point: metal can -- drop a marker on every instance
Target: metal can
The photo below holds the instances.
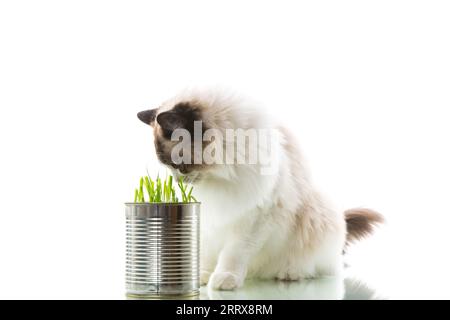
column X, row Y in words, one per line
column 162, row 249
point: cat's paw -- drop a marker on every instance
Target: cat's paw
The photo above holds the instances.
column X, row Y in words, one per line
column 204, row 277
column 225, row 281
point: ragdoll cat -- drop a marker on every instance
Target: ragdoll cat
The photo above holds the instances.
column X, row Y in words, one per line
column 253, row 224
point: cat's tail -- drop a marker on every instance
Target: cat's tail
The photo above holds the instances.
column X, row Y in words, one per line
column 361, row 223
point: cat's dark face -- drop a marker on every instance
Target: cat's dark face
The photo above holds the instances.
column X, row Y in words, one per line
column 164, row 122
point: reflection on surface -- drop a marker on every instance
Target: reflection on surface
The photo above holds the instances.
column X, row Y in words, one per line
column 356, row 289
column 318, row 289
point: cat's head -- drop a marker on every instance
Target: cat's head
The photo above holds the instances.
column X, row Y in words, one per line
column 211, row 135
column 175, row 116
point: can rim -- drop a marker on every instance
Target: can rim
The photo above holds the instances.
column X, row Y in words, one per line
column 162, row 203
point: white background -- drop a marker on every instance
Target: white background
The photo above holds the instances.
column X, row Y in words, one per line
column 365, row 84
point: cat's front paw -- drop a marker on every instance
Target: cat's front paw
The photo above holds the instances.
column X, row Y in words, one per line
column 225, row 281
column 204, row 277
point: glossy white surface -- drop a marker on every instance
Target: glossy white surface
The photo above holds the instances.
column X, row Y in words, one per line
column 319, row 289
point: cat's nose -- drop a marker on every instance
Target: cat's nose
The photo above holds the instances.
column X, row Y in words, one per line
column 183, row 169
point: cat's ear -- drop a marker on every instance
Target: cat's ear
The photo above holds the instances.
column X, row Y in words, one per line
column 148, row 116
column 170, row 120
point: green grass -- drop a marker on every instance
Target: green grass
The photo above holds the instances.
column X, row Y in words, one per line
column 163, row 191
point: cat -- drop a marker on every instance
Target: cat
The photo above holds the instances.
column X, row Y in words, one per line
column 254, row 225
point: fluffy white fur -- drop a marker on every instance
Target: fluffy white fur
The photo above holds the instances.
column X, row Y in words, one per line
column 264, row 226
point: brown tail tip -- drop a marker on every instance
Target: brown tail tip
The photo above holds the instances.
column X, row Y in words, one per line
column 361, row 223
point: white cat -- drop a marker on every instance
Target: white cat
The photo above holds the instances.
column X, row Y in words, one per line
column 252, row 224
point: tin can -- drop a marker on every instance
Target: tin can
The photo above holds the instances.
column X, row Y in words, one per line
column 162, row 249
